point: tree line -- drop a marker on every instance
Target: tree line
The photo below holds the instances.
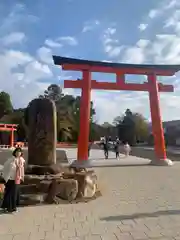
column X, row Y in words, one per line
column 130, row 127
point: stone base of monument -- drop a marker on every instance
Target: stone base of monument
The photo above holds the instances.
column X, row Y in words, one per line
column 69, row 185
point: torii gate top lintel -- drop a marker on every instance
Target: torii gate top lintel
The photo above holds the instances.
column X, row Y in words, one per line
column 108, row 67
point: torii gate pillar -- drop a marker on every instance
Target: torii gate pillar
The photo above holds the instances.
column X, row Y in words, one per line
column 158, row 132
column 84, row 127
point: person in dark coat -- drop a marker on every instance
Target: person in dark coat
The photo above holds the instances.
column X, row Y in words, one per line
column 117, row 149
column 106, row 148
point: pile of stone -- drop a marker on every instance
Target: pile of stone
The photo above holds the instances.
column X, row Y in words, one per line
column 59, row 183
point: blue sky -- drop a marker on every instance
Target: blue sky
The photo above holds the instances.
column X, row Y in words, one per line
column 117, row 31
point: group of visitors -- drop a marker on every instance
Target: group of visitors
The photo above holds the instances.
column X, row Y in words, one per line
column 117, row 147
column 13, row 174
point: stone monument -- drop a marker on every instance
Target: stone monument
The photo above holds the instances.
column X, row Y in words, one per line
column 42, row 134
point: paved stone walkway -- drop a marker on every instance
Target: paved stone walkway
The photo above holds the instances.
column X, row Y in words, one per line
column 138, row 202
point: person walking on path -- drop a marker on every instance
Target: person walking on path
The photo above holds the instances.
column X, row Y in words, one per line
column 13, row 174
column 117, row 149
column 89, row 148
column 127, row 149
column 106, row 148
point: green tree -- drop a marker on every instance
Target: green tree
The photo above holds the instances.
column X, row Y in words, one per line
column 117, row 120
column 141, row 128
column 132, row 127
column 53, row 92
column 68, row 110
column 128, row 127
column 76, row 119
column 64, row 117
column 5, row 104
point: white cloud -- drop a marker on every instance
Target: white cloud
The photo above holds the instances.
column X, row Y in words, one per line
column 109, row 40
column 153, row 13
column 116, row 103
column 113, row 51
column 14, row 58
column 110, row 31
column 61, row 41
column 166, row 49
column 15, row 37
column 63, row 77
column 53, row 44
column 106, row 61
column 143, row 43
column 163, row 8
column 13, row 17
column 172, row 4
column 110, row 43
column 18, row 14
column 35, row 71
column 142, row 26
column 134, row 55
column 174, row 21
column 22, row 83
column 138, row 53
column 68, row 40
column 45, row 55
column 90, row 25
column 20, row 73
column 69, row 91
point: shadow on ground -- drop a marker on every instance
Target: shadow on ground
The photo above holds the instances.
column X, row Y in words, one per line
column 141, row 215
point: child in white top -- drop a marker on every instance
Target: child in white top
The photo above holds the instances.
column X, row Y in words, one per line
column 127, row 149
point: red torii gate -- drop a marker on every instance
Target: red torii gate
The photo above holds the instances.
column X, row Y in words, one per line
column 9, row 128
column 120, row 69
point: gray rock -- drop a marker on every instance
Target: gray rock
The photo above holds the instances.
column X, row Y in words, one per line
column 66, row 189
